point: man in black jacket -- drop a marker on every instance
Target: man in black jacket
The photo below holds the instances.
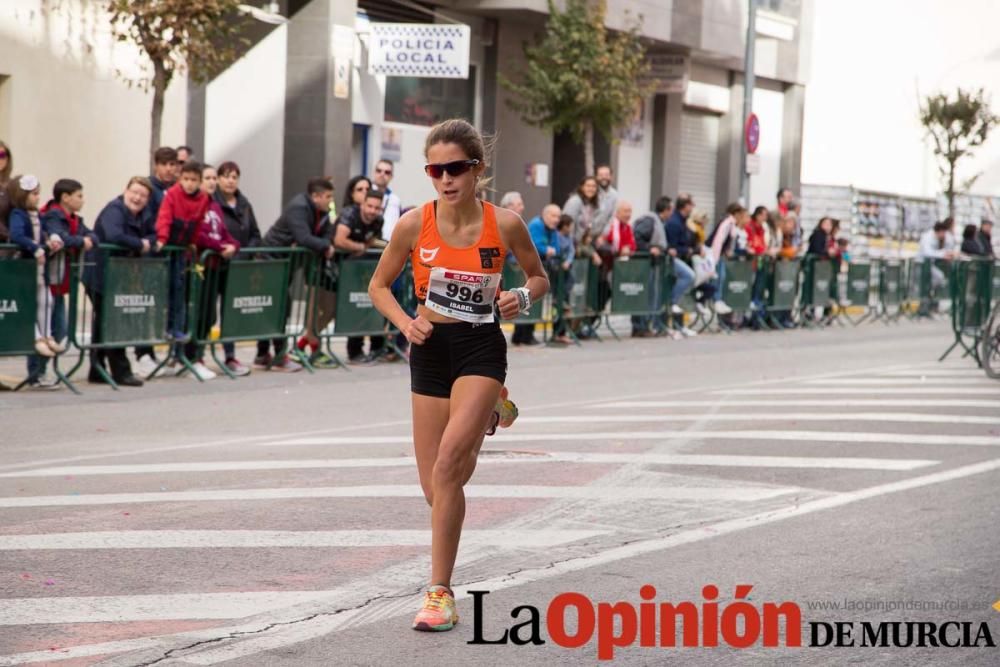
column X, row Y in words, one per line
column 357, row 229
column 305, row 222
column 123, row 222
column 985, row 237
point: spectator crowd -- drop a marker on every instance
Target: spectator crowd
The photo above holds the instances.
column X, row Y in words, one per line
column 187, row 203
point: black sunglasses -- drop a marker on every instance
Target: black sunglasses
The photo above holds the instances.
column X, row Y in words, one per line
column 456, row 168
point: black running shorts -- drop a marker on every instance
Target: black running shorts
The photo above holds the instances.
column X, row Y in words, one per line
column 456, row 349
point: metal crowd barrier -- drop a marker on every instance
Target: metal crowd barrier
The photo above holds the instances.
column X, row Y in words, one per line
column 260, row 294
column 971, row 293
column 283, row 293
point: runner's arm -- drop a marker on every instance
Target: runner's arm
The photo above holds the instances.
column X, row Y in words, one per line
column 393, row 259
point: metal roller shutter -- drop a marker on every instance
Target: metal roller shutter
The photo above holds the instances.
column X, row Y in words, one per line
column 699, row 158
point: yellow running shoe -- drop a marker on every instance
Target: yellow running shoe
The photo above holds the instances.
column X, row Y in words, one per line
column 438, row 613
column 504, row 412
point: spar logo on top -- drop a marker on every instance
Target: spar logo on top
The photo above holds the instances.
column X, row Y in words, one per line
column 420, row 50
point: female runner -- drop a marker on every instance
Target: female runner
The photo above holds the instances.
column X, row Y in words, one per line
column 458, row 358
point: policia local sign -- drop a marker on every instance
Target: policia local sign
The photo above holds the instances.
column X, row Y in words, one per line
column 419, row 49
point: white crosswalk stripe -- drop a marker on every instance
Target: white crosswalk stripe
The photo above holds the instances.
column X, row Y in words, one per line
column 776, row 434
column 810, row 403
column 608, row 493
column 488, row 458
column 936, row 390
column 937, row 381
column 244, row 539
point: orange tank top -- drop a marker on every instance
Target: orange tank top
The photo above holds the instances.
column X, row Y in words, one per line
column 485, row 256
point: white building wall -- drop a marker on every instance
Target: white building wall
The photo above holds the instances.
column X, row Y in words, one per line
column 871, row 63
column 769, row 107
column 635, row 163
column 63, row 111
column 245, row 123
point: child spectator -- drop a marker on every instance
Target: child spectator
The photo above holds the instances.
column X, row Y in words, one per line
column 27, row 232
column 212, row 235
column 177, row 224
column 757, row 232
column 60, row 217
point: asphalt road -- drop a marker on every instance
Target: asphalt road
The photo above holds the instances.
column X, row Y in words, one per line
column 276, row 520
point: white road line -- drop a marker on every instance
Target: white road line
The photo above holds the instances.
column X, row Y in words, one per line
column 850, row 391
column 126, row 608
column 486, row 459
column 246, row 539
column 608, row 493
column 810, row 403
column 267, row 639
column 726, row 460
column 971, row 371
column 618, row 436
column 981, row 381
column 778, row 417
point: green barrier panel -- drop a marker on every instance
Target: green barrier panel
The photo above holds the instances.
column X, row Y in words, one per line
column 513, row 277
column 408, row 297
column 355, row 315
column 630, row 286
column 594, row 289
column 975, row 294
column 134, row 308
column 783, row 285
column 18, row 294
column 890, row 283
column 996, row 282
column 255, row 299
column 920, row 280
column 737, row 291
column 576, row 299
column 859, row 280
column 972, row 283
column 819, row 275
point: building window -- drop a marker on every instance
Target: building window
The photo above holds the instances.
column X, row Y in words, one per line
column 789, row 8
column 426, row 101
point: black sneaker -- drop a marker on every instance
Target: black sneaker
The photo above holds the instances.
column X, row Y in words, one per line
column 360, row 360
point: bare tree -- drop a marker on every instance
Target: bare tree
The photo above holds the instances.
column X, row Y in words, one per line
column 197, row 36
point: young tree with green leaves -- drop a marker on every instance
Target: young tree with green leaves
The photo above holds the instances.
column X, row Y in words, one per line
column 581, row 77
column 197, row 36
column 957, row 126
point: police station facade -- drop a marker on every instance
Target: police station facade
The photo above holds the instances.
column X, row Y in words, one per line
column 333, row 115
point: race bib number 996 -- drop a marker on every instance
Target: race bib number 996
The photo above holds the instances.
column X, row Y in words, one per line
column 462, row 295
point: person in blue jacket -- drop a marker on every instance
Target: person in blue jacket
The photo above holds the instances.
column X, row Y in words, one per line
column 544, row 232
column 123, row 222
